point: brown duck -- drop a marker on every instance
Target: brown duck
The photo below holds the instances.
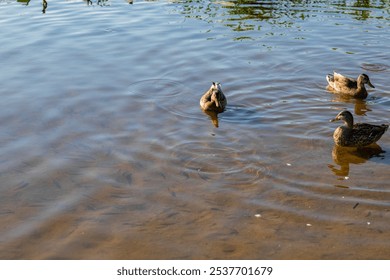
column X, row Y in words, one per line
column 213, row 100
column 356, row 135
column 348, row 86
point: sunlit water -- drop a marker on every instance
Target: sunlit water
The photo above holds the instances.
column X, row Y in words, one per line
column 105, row 153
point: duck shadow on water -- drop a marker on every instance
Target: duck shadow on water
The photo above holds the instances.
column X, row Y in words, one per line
column 343, row 157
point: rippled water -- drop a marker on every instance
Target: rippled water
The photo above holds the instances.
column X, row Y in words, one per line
column 107, row 155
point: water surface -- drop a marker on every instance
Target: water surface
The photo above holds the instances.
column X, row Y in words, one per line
column 107, row 155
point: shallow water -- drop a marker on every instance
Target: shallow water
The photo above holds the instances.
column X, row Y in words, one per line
column 107, row 155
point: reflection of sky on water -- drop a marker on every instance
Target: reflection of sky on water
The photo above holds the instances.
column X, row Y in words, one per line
column 121, row 130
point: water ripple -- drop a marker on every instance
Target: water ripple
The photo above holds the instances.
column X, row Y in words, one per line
column 170, row 95
column 157, row 88
column 375, row 67
column 84, row 148
column 211, row 161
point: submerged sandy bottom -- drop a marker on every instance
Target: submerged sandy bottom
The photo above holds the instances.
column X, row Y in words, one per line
column 110, row 157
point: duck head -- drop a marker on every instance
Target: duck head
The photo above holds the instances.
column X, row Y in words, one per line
column 344, row 116
column 364, row 79
column 216, row 93
column 216, row 86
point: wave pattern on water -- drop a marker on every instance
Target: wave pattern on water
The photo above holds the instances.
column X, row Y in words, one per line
column 220, row 163
column 107, row 154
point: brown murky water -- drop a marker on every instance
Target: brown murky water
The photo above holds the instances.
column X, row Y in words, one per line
column 105, row 153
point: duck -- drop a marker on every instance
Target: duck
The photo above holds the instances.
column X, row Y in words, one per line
column 358, row 134
column 348, row 86
column 213, row 100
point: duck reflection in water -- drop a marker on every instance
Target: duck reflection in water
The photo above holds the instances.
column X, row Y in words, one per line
column 102, row 2
column 44, row 6
column 360, row 105
column 213, row 102
column 344, row 156
column 24, row 2
column 213, row 116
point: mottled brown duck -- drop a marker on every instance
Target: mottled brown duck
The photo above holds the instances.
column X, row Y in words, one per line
column 348, row 86
column 214, row 100
column 358, row 134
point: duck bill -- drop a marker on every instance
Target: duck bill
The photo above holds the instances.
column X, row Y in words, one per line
column 333, row 120
column 371, row 85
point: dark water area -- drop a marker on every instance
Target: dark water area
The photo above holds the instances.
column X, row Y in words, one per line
column 106, row 154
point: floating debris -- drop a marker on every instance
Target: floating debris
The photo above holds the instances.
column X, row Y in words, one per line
column 356, row 205
column 258, row 215
column 288, row 164
column 308, row 225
